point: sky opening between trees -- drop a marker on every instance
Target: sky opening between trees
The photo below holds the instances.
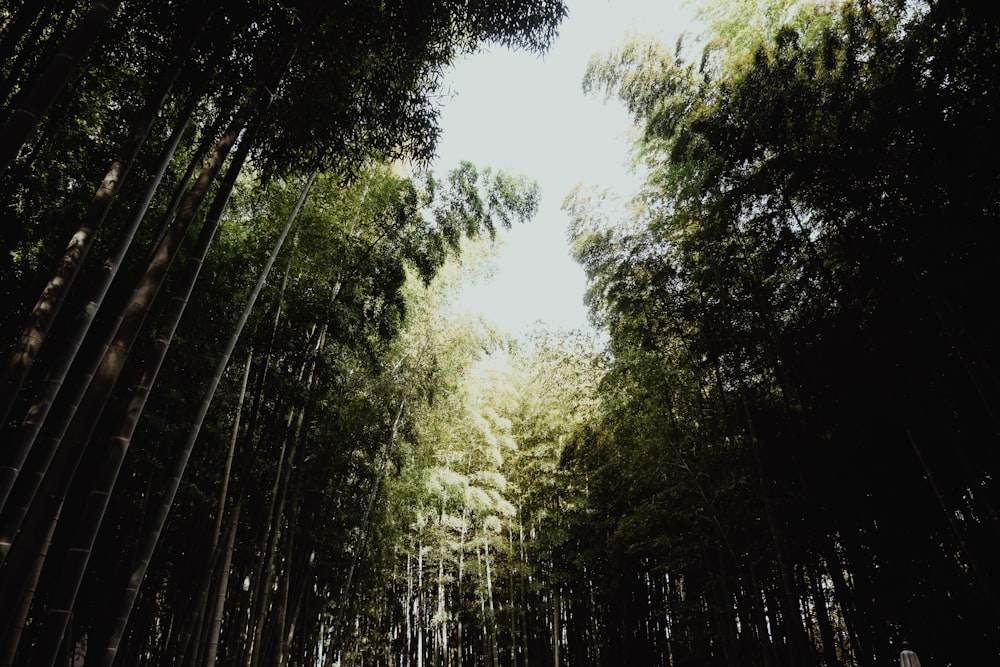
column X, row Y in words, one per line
column 244, row 423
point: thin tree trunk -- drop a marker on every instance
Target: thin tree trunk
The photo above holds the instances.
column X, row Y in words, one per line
column 338, row 627
column 227, row 471
column 522, row 592
column 72, row 429
column 419, row 610
column 791, row 615
column 64, row 594
column 181, row 188
column 823, row 617
column 265, row 589
column 34, row 542
column 195, row 630
column 151, row 537
column 16, row 615
column 407, row 611
column 148, row 545
column 220, row 600
column 292, row 434
column 260, row 594
column 12, row 458
column 461, row 576
column 49, row 303
column 241, row 493
column 50, row 84
column 515, row 639
column 854, row 626
column 251, row 427
column 299, row 603
column 200, row 597
column 281, row 635
column 971, row 556
column 494, row 649
column 259, row 590
column 556, row 627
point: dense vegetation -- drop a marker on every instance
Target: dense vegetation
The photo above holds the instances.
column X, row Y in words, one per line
column 276, row 442
column 797, row 449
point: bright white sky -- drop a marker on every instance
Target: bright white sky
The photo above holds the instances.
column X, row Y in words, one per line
column 526, row 114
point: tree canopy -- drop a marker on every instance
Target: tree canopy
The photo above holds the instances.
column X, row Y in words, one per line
column 246, row 422
column 796, row 314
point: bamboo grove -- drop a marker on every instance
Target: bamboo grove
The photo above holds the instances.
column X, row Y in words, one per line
column 797, row 449
column 244, row 422
column 222, row 126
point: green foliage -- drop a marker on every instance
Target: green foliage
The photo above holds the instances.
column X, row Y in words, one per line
column 738, row 29
column 792, row 309
column 785, row 455
column 346, row 89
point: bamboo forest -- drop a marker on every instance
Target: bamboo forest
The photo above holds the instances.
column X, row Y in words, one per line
column 245, row 421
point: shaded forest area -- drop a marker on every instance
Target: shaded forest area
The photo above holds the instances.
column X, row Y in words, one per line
column 244, row 424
